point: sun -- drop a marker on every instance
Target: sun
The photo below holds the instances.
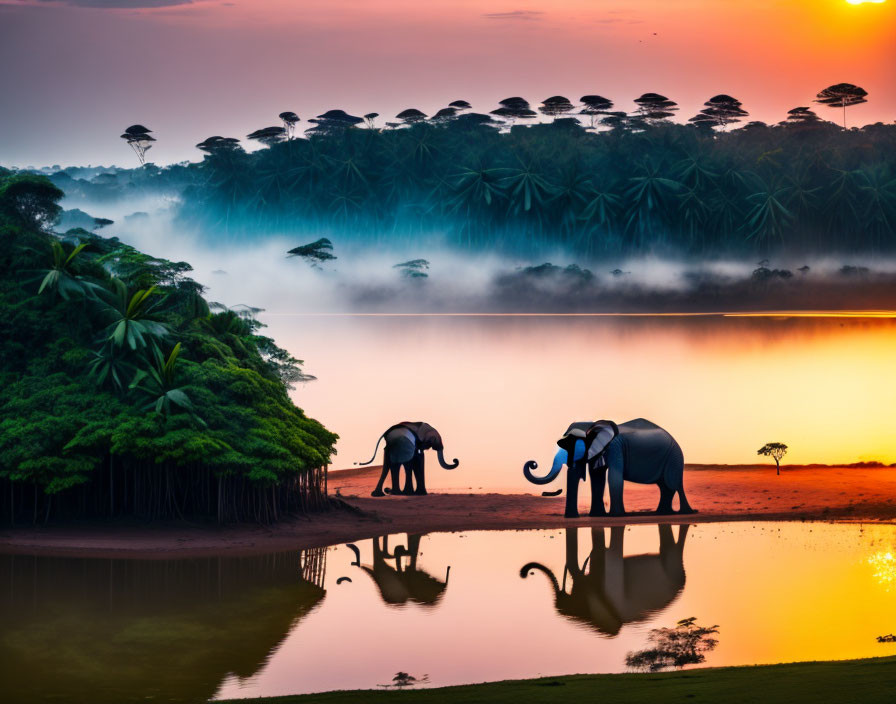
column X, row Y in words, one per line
column 862, row 2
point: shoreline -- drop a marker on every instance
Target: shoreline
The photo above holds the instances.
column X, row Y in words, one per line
column 866, row 680
column 721, row 493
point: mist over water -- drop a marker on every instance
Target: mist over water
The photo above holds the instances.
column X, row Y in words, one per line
column 364, row 279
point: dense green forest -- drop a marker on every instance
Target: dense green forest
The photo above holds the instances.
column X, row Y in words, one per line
column 804, row 186
column 122, row 393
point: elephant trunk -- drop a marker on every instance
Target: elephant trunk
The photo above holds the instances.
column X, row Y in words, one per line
column 440, row 453
column 529, row 566
column 559, row 461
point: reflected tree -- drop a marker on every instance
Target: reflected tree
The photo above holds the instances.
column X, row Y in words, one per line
column 684, row 644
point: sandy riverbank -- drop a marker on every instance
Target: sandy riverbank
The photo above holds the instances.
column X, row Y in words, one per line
column 719, row 493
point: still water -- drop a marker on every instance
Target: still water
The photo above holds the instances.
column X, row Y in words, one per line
column 502, row 389
column 458, row 607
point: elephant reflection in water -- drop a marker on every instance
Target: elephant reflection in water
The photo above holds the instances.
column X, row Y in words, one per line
column 404, row 582
column 609, row 590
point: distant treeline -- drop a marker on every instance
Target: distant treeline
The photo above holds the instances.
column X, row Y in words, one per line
column 123, row 392
column 805, row 186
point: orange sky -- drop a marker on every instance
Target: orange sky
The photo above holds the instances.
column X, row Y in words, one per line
column 209, row 67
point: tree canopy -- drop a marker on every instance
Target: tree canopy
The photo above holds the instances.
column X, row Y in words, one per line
column 123, row 393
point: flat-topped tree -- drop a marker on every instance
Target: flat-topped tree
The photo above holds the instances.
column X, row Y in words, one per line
column 654, row 108
column 459, row 105
column 411, row 116
column 616, row 120
column 444, row 115
column 801, row 117
column 369, row 118
column 555, row 106
column 289, row 123
column 514, row 108
column 139, row 139
column 775, row 450
column 594, row 105
column 842, row 95
column 723, row 110
column 334, row 121
column 218, row 145
column 268, row 136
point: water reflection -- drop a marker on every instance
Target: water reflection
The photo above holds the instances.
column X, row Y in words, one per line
column 404, row 581
column 119, row 630
column 103, row 631
column 610, row 590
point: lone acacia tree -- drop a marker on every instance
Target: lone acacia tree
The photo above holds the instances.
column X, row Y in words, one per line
column 842, row 95
column 775, row 450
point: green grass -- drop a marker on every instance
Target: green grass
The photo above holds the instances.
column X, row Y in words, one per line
column 867, row 681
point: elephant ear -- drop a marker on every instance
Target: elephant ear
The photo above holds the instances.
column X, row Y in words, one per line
column 428, row 436
column 599, row 436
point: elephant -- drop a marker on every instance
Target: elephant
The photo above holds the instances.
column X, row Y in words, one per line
column 405, row 443
column 637, row 451
column 616, row 590
column 401, row 584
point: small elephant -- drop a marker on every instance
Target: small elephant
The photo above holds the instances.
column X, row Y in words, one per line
column 637, row 451
column 405, row 443
column 405, row 582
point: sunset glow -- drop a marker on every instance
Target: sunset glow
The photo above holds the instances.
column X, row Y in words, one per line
column 271, row 55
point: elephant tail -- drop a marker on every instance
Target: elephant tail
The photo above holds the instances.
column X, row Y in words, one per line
column 375, row 450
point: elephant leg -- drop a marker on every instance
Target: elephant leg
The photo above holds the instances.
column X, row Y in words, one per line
column 683, row 505
column 615, row 476
column 414, row 549
column 572, row 552
column 666, row 495
column 379, row 485
column 395, row 469
column 572, row 492
column 614, row 569
column 598, row 477
column 419, row 478
column 409, row 477
column 598, row 556
column 672, row 553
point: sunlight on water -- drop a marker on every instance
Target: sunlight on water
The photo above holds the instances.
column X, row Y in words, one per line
column 884, row 566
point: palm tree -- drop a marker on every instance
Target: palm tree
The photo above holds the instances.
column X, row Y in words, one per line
column 769, row 217
column 159, row 385
column 60, row 278
column 133, row 323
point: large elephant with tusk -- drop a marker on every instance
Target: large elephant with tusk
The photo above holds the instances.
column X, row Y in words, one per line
column 637, row 451
column 405, row 444
column 610, row 590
